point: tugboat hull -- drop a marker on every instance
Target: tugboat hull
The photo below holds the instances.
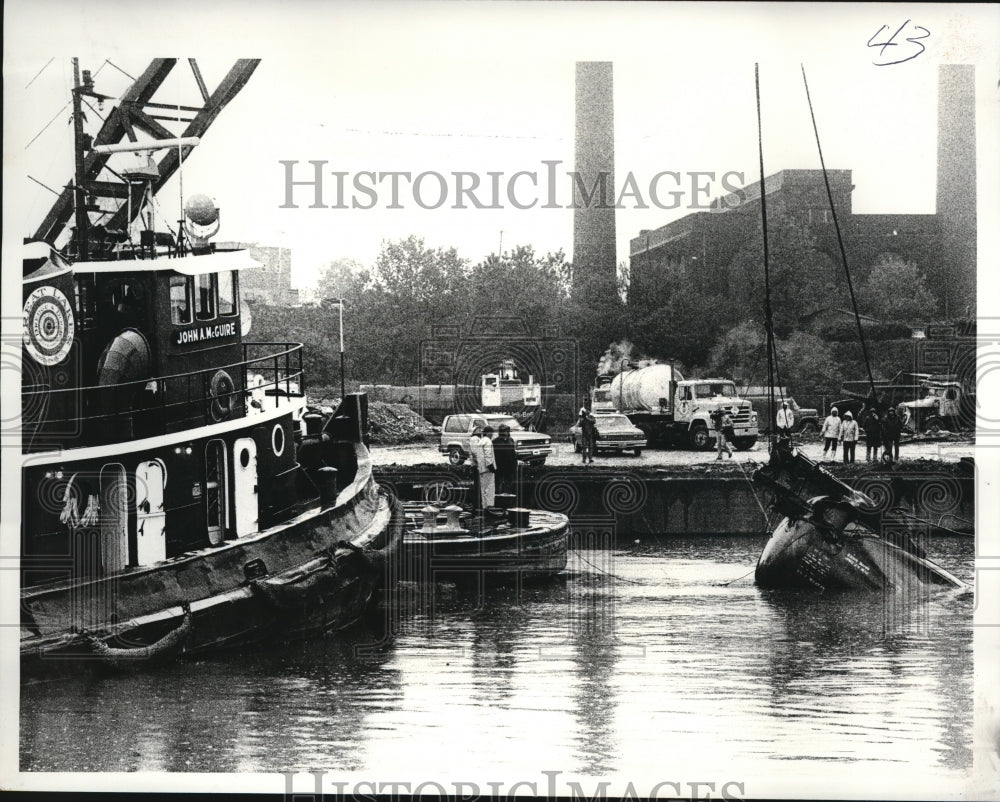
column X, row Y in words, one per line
column 312, row 574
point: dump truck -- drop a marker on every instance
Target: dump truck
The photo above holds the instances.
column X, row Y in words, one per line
column 673, row 411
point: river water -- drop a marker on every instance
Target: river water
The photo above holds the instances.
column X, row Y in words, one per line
column 638, row 664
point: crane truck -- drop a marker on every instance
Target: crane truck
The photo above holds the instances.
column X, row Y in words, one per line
column 672, row 411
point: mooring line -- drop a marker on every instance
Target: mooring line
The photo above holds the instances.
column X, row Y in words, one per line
column 767, row 518
column 739, row 578
column 931, row 523
column 607, row 573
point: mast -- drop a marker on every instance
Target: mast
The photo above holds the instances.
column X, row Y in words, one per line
column 768, row 318
column 80, row 177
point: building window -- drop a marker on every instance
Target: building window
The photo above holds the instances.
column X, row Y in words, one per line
column 204, row 291
column 180, row 300
column 227, row 293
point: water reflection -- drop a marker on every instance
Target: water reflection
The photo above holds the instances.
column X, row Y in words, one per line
column 872, row 669
column 595, row 656
column 634, row 659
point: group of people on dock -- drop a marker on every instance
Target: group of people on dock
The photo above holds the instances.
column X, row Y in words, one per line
column 494, row 460
column 881, row 432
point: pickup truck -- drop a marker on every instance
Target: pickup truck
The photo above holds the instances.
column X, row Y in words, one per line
column 531, row 447
column 807, row 420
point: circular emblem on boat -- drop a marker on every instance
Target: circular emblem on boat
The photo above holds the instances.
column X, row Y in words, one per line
column 222, row 389
column 278, row 439
column 48, row 325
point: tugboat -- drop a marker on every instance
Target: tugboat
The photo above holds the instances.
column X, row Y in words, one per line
column 170, row 505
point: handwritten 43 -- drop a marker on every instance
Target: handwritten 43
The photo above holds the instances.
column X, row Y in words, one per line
column 910, row 47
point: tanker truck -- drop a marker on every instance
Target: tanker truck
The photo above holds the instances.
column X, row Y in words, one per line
column 672, row 411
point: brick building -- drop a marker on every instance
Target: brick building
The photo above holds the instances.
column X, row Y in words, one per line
column 712, row 238
column 272, row 283
column 942, row 244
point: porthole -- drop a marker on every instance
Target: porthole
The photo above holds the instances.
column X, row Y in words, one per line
column 278, row 440
column 245, row 457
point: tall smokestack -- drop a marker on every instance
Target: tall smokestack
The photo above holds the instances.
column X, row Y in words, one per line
column 956, row 186
column 594, row 256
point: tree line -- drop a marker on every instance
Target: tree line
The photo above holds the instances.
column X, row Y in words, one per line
column 710, row 321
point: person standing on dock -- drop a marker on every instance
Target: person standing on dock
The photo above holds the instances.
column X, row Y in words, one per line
column 785, row 420
column 719, row 418
column 505, row 454
column 873, row 436
column 486, row 467
column 588, row 434
column 849, row 436
column 831, row 433
column 892, row 429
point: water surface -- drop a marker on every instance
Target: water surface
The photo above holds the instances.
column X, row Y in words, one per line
column 638, row 663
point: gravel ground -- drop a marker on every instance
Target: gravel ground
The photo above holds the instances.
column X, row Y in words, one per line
column 947, row 449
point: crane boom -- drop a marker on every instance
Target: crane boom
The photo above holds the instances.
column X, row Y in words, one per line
column 120, row 127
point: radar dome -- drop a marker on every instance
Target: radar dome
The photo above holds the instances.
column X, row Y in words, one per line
column 201, row 209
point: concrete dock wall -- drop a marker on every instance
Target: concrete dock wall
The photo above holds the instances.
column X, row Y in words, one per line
column 640, row 503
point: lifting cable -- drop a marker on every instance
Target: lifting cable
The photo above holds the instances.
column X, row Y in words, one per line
column 840, row 241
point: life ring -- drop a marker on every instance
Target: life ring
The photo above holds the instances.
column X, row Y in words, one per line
column 222, row 389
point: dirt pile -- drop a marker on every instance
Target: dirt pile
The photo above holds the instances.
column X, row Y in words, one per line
column 395, row 424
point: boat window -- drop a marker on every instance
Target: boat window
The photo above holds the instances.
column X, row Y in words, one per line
column 126, row 300
column 204, row 296
column 227, row 293
column 84, row 297
column 180, row 300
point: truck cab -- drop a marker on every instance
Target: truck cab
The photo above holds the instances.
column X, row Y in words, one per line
column 696, row 399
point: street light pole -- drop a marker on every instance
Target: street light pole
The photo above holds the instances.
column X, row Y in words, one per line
column 340, row 307
column 340, row 322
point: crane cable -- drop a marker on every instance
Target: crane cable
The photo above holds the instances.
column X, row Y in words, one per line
column 840, row 240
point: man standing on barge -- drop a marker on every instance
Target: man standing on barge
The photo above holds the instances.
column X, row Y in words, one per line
column 486, row 467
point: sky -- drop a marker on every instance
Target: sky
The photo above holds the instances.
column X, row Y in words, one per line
column 488, row 87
